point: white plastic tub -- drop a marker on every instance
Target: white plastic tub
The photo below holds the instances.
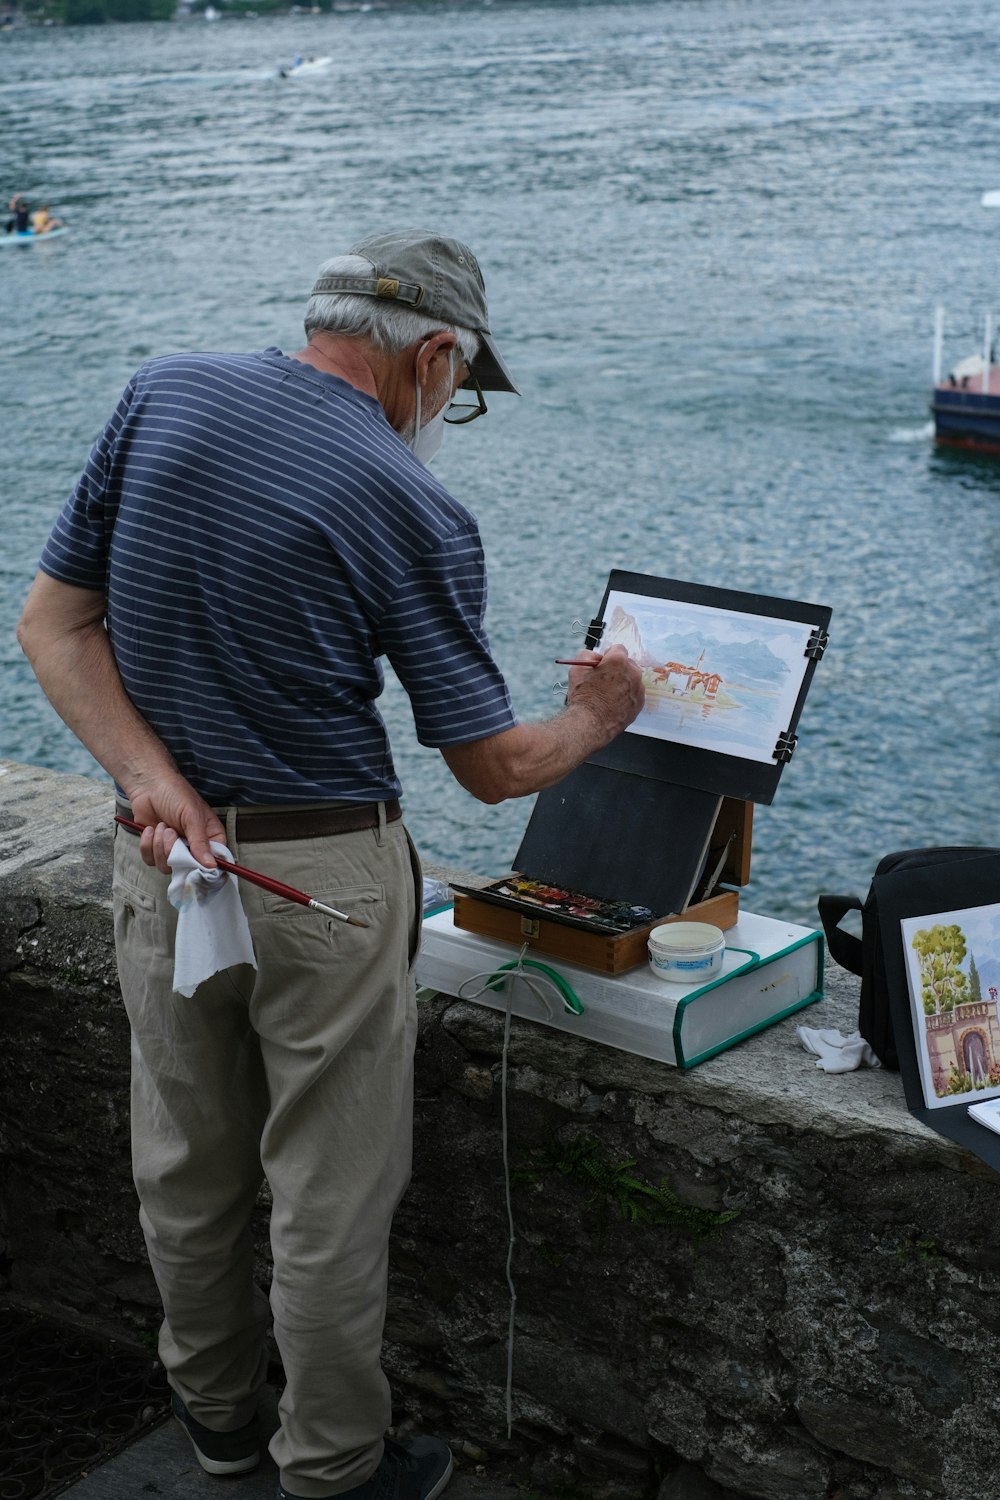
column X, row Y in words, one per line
column 686, row 952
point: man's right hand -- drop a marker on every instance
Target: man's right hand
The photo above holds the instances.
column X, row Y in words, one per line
column 612, row 691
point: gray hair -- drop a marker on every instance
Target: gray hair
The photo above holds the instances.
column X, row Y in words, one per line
column 390, row 327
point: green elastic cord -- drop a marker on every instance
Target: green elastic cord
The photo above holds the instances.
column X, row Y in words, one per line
column 570, row 999
column 749, row 952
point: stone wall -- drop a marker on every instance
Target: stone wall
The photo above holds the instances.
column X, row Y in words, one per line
column 753, row 1278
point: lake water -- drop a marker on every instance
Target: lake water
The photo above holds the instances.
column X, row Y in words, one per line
column 714, row 233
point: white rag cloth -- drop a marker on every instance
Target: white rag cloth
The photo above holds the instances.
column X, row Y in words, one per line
column 836, row 1053
column 436, row 893
column 212, row 929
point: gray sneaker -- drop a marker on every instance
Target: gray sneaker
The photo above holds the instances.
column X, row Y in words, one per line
column 219, row 1452
column 417, row 1469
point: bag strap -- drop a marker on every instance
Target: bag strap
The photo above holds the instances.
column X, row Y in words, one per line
column 845, row 948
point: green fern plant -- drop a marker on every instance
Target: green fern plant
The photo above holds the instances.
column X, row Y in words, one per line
column 614, row 1185
column 924, row 1249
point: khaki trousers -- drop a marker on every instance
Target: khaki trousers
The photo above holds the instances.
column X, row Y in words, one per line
column 299, row 1072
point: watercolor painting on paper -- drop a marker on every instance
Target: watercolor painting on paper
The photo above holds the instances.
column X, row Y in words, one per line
column 953, row 973
column 717, row 679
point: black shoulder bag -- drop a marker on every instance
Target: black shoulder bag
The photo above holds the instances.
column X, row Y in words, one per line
column 865, row 955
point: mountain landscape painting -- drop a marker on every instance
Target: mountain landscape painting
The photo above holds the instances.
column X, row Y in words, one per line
column 714, row 678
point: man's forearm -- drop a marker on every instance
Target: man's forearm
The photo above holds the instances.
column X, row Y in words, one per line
column 62, row 633
column 526, row 758
column 602, row 702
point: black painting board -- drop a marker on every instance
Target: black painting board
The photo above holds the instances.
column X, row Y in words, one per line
column 621, row 836
column 695, row 766
column 918, row 893
column 615, row 836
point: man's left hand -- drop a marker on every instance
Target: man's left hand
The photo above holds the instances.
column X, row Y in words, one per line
column 170, row 808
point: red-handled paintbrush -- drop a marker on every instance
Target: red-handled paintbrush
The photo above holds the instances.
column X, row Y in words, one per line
column 276, row 887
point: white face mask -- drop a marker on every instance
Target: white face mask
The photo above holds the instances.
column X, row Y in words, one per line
column 426, row 440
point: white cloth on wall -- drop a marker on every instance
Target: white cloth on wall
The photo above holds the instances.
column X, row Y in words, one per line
column 836, row 1053
column 436, row 893
column 212, row 929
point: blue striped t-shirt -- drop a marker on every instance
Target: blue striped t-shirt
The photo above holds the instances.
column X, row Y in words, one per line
column 263, row 537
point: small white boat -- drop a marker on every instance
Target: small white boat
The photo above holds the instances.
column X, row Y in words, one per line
column 303, row 65
column 30, row 238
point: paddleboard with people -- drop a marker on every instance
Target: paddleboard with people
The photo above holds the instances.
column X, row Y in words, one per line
column 29, row 237
column 28, row 226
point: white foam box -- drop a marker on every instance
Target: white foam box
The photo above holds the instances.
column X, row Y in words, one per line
column 771, row 969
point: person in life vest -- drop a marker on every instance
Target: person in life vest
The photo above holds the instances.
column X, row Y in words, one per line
column 42, row 221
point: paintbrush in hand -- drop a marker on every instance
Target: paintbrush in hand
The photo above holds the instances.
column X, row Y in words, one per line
column 276, row 887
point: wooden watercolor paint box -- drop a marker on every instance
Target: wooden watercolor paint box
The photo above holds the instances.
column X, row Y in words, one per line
column 617, row 953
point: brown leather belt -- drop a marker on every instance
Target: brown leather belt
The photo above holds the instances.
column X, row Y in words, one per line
column 254, row 827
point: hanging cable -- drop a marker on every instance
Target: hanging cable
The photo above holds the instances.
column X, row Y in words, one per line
column 510, row 1211
column 504, row 976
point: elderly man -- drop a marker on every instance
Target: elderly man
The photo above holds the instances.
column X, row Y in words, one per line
column 250, row 535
